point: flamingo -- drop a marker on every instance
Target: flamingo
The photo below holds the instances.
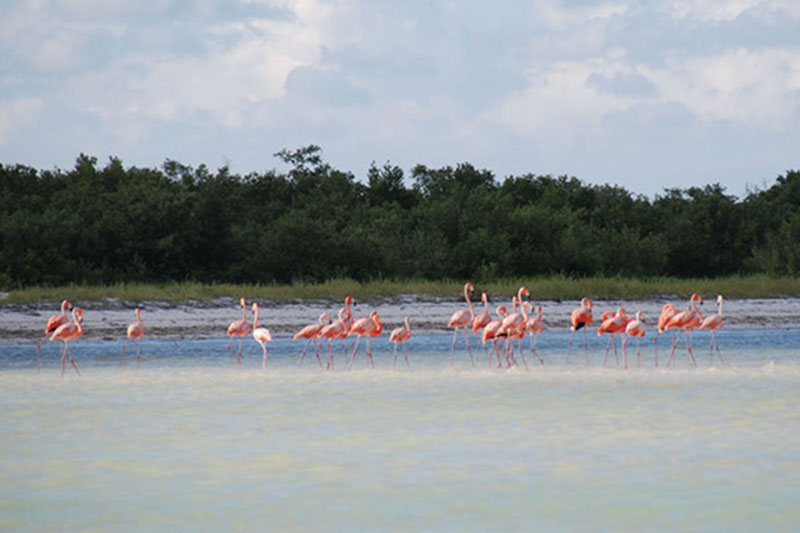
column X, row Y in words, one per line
column 67, row 332
column 52, row 323
column 261, row 335
column 463, row 319
column 634, row 328
column 239, row 328
column 667, row 312
column 534, row 326
column 579, row 319
column 713, row 323
column 491, row 330
column 514, row 326
column 365, row 327
column 613, row 324
column 312, row 333
column 135, row 331
column 335, row 330
column 480, row 321
column 686, row 321
column 401, row 335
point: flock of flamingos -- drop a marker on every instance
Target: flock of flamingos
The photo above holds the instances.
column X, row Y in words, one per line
column 505, row 332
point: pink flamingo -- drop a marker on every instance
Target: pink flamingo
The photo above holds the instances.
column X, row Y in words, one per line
column 490, row 331
column 634, row 328
column 52, row 323
column 335, row 330
column 463, row 319
column 535, row 326
column 261, row 335
column 135, row 331
column 613, row 324
column 484, row 318
column 514, row 327
column 67, row 332
column 365, row 327
column 239, row 328
column 401, row 335
column 686, row 321
column 712, row 323
column 667, row 312
column 312, row 333
column 579, row 319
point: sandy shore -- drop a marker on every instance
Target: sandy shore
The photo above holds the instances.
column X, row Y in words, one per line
column 109, row 319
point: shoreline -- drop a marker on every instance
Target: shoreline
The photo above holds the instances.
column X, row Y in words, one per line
column 109, row 319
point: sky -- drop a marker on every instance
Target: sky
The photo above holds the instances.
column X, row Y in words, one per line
column 642, row 94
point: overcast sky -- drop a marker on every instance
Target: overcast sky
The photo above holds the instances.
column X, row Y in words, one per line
column 643, row 94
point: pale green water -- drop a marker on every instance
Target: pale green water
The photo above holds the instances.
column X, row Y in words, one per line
column 197, row 446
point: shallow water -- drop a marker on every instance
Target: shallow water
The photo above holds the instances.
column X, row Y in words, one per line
column 190, row 441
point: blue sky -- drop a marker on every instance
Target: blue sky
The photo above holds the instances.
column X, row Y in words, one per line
column 643, row 94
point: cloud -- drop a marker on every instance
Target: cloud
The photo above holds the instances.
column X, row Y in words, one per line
column 17, row 115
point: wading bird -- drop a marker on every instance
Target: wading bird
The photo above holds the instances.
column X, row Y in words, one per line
column 667, row 312
column 534, row 326
column 261, row 335
column 613, row 324
column 490, row 333
column 312, row 332
column 462, row 319
column 712, row 323
column 67, row 332
column 135, row 331
column 686, row 321
column 365, row 327
column 579, row 319
column 634, row 328
column 52, row 323
column 400, row 336
column 239, row 328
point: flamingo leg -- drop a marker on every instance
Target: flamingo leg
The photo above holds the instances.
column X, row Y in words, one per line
column 72, row 361
column 369, row 354
column 522, row 354
column 405, row 355
column 624, row 353
column 585, row 346
column 453, row 347
column 533, row 349
column 264, row 357
column 616, row 355
column 38, row 357
column 394, row 362
column 355, row 350
column 139, row 353
column 316, row 352
column 124, row 343
column 688, row 339
column 239, row 355
column 303, row 355
column 655, row 348
column 608, row 346
column 466, row 339
column 639, row 353
column 63, row 359
column 716, row 345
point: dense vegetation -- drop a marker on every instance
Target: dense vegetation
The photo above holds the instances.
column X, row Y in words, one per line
column 109, row 225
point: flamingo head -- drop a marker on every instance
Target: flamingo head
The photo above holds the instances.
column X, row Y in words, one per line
column 242, row 302
column 719, row 298
column 255, row 305
column 349, row 300
column 484, row 298
column 640, row 317
column 325, row 319
column 586, row 302
column 138, row 313
column 502, row 310
column 78, row 314
column 521, row 291
column 697, row 297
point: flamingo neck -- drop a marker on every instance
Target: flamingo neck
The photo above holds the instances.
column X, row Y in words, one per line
column 720, row 306
column 78, row 323
column 469, row 302
column 64, row 308
column 255, row 317
column 408, row 324
column 693, row 304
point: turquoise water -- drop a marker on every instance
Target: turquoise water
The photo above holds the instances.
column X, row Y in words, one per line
column 189, row 441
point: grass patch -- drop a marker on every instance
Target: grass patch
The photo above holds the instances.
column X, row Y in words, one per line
column 545, row 288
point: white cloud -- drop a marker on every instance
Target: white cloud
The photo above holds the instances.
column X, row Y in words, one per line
column 727, row 10
column 16, row 115
column 754, row 87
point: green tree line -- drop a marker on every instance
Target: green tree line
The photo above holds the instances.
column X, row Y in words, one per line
column 107, row 224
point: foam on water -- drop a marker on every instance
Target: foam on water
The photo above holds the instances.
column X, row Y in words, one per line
column 189, row 441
